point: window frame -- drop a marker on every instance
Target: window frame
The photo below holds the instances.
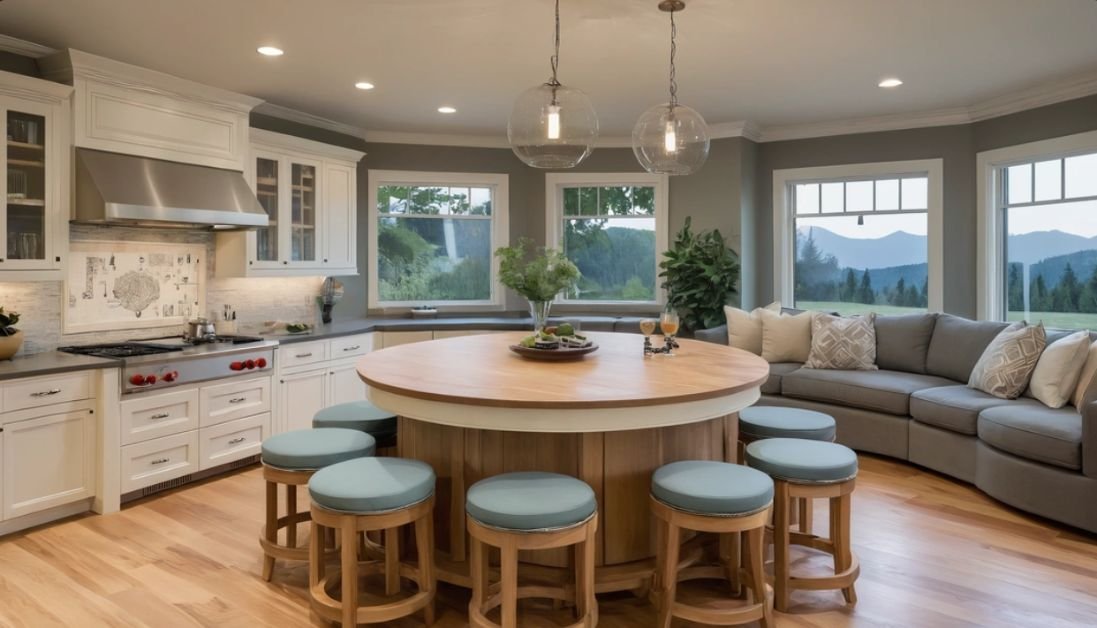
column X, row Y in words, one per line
column 500, row 231
column 784, row 217
column 554, row 219
column 991, row 203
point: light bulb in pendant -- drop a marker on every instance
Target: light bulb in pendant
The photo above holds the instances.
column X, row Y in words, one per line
column 553, row 122
column 670, row 137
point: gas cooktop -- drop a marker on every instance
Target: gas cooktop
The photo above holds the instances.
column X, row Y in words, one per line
column 120, row 350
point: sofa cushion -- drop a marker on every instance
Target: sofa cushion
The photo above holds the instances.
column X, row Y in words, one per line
column 1029, row 429
column 785, row 338
column 843, row 342
column 902, row 342
column 957, row 345
column 1008, row 361
column 777, row 370
column 883, row 391
column 954, row 408
column 745, row 328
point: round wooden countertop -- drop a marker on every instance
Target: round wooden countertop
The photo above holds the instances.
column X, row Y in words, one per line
column 476, row 381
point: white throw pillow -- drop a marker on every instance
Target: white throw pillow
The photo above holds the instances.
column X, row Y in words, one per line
column 745, row 328
column 1085, row 379
column 1057, row 372
column 786, row 338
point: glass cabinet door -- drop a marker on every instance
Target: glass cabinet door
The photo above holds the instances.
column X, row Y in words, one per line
column 303, row 205
column 266, row 189
column 25, row 163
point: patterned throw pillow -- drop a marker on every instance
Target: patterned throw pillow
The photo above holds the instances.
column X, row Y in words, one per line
column 843, row 343
column 1007, row 363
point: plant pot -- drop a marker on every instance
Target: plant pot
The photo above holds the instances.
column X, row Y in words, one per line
column 10, row 345
column 539, row 310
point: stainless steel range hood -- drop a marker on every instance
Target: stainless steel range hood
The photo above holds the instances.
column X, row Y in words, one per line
column 115, row 189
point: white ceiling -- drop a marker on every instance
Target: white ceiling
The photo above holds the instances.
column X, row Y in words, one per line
column 774, row 62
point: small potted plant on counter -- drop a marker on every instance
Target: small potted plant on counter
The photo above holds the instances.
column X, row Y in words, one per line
column 539, row 278
column 11, row 339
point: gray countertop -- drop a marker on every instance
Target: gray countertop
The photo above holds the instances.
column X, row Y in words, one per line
column 51, row 362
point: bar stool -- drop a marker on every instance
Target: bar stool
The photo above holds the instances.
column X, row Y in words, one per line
column 809, row 469
column 364, row 495
column 530, row 511
column 362, row 416
column 290, row 459
column 762, row 422
column 726, row 499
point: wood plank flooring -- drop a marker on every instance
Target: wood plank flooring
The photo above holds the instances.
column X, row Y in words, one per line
column 933, row 553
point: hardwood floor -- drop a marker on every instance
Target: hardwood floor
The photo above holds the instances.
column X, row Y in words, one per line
column 933, row 553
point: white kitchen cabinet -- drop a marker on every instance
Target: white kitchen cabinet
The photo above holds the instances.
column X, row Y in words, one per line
column 344, row 384
column 301, row 395
column 309, row 191
column 34, row 178
column 159, row 460
column 233, row 440
column 145, row 417
column 316, row 374
column 49, row 460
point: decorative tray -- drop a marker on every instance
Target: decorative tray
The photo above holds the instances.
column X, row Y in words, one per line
column 559, row 354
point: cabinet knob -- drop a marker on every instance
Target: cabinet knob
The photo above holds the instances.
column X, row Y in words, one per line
column 325, row 260
column 285, row 262
column 250, row 262
column 57, row 259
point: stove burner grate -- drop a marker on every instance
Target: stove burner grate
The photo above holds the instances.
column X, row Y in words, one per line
column 119, row 350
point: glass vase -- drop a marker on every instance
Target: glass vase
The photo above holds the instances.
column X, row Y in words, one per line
column 539, row 310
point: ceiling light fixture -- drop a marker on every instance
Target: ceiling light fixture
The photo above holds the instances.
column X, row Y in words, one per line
column 552, row 126
column 364, row 85
column 890, row 82
column 270, row 51
column 671, row 138
column 447, row 109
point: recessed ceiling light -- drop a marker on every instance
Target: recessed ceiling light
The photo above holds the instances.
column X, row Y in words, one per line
column 364, row 85
column 890, row 82
column 447, row 109
column 270, row 51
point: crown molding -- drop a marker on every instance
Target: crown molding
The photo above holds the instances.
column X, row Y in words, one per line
column 1062, row 90
column 469, row 141
column 301, row 117
column 873, row 124
column 24, row 48
column 276, row 141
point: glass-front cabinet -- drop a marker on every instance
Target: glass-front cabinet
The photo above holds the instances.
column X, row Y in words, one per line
column 287, row 188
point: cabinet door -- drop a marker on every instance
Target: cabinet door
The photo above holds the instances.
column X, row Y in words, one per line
column 48, row 461
column 301, row 396
column 340, row 222
column 344, row 384
column 267, row 183
column 30, row 202
column 303, row 215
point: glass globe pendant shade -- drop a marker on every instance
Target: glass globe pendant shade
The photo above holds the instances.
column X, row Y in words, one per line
column 671, row 139
column 552, row 126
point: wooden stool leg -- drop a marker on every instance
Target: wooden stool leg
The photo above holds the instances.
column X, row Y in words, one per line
column 392, row 561
column 349, row 556
column 424, row 544
column 752, row 554
column 584, row 580
column 270, row 531
column 843, row 552
column 478, row 570
column 508, row 567
column 731, row 552
column 669, row 577
column 806, row 512
column 781, row 507
column 291, row 509
column 316, row 555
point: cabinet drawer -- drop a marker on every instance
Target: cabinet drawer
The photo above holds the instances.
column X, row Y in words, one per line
column 159, row 460
column 303, row 353
column 351, row 346
column 159, row 415
column 234, row 400
column 40, row 391
column 233, row 440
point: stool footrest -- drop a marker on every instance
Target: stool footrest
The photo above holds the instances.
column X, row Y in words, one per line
column 839, row 580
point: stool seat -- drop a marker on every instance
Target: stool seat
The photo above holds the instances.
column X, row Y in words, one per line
column 316, row 448
column 530, row 501
column 712, row 488
column 371, row 485
column 806, row 461
column 761, row 422
column 357, row 415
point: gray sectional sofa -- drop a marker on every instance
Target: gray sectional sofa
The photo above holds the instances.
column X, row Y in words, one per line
column 917, row 407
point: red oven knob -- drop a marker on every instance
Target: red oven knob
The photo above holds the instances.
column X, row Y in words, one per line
column 137, row 380
column 151, row 379
column 169, row 376
column 237, row 366
column 261, row 363
column 250, row 364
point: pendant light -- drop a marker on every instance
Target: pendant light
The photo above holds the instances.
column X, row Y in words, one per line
column 552, row 126
column 671, row 138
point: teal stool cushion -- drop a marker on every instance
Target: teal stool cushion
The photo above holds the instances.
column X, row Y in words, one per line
column 712, row 488
column 530, row 501
column 758, row 422
column 367, row 485
column 357, row 415
column 799, row 460
column 312, row 449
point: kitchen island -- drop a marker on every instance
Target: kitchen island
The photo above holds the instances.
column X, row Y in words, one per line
column 472, row 409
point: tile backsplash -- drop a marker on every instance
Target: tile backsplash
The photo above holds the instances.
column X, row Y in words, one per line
column 255, row 299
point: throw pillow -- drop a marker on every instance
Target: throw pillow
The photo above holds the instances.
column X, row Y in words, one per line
column 843, row 343
column 786, row 338
column 1007, row 363
column 1086, row 380
column 1058, row 369
column 745, row 328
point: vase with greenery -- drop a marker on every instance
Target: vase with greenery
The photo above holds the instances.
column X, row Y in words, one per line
column 700, row 276
column 11, row 339
column 538, row 274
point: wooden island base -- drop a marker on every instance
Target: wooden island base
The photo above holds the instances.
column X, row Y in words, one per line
column 618, row 465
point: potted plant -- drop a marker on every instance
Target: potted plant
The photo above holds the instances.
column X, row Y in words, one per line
column 11, row 339
column 700, row 273
column 538, row 275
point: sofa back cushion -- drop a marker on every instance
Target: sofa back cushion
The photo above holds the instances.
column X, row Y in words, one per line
column 902, row 341
column 957, row 344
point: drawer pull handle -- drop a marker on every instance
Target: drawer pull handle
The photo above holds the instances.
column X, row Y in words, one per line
column 354, row 348
column 238, row 400
column 303, row 355
column 161, row 460
column 46, row 393
column 157, row 417
column 237, row 441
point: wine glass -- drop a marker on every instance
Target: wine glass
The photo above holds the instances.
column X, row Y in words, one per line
column 669, row 324
column 647, row 327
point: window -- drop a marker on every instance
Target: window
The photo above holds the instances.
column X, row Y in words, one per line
column 858, row 239
column 432, row 237
column 613, row 227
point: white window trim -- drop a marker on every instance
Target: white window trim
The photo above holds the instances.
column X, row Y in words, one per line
column 783, row 245
column 500, row 235
column 990, row 264
column 555, row 182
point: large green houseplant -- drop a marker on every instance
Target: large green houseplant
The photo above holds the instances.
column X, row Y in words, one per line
column 11, row 339
column 538, row 274
column 700, row 276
